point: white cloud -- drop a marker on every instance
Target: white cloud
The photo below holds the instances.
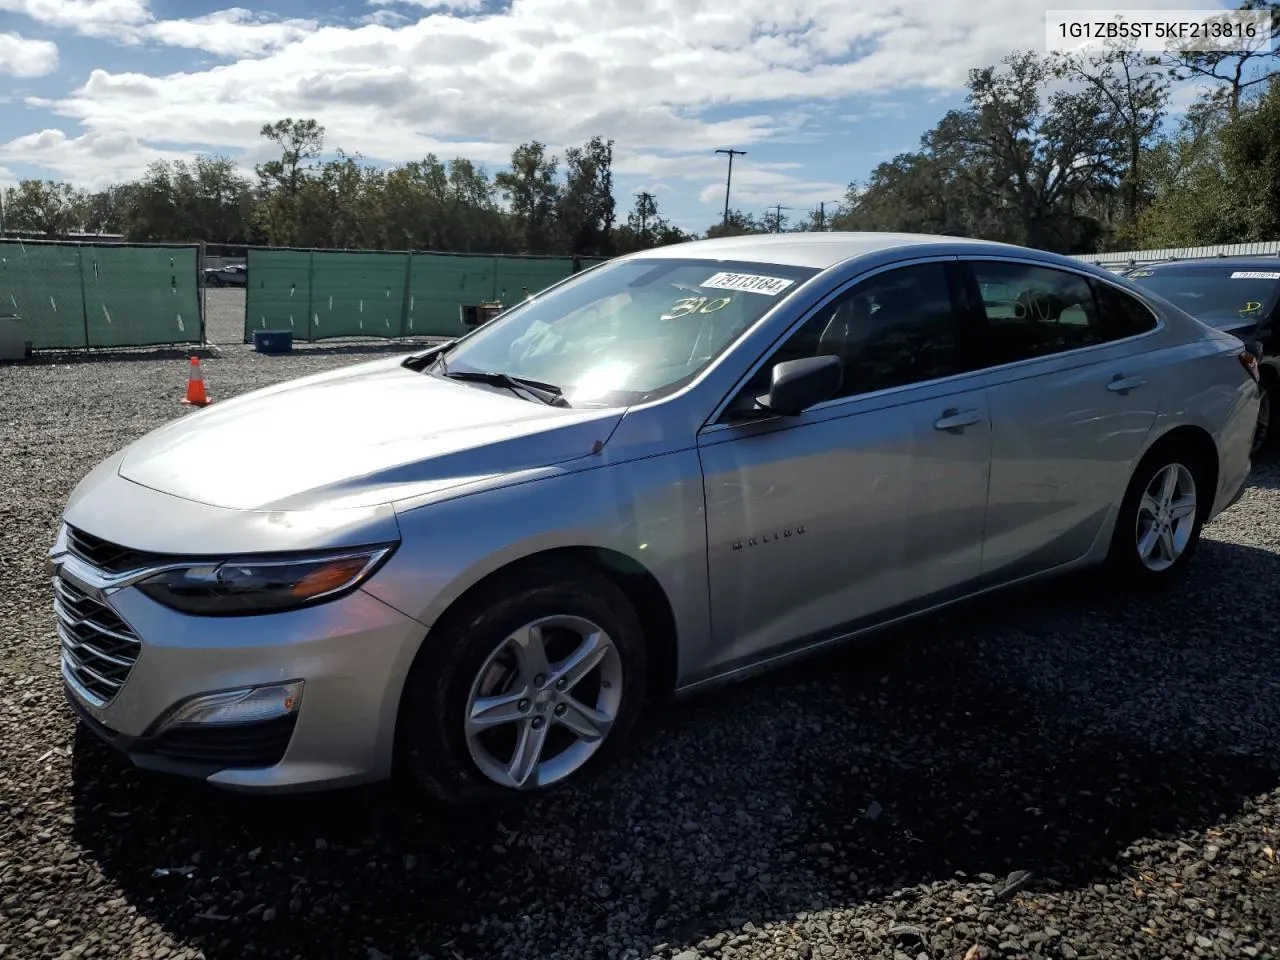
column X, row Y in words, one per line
column 462, row 6
column 229, row 33
column 94, row 18
column 669, row 80
column 94, row 160
column 235, row 32
column 22, row 57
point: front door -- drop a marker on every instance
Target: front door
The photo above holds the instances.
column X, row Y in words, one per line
column 864, row 505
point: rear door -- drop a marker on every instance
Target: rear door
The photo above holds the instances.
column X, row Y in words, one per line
column 1074, row 392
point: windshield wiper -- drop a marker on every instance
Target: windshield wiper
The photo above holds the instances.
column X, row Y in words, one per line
column 544, row 392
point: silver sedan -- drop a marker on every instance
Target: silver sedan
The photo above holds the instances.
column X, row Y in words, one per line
column 473, row 565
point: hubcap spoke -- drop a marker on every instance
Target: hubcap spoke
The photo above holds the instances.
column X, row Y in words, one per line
column 1182, row 508
column 586, row 723
column 1150, row 540
column 489, row 712
column 1167, row 548
column 1169, row 486
column 528, row 753
column 583, row 660
column 531, row 654
column 1149, row 505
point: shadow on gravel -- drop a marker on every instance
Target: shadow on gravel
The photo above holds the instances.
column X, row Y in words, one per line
column 54, row 358
column 57, row 359
column 354, row 349
column 856, row 777
column 1266, row 472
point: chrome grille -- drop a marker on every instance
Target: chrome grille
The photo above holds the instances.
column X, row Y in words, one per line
column 108, row 557
column 98, row 648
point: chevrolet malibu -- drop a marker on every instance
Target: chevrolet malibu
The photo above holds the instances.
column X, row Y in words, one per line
column 473, row 565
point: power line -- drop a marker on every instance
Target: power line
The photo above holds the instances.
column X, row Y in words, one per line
column 729, row 179
column 777, row 217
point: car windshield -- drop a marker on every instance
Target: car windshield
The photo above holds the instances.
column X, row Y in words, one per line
column 628, row 331
column 1214, row 292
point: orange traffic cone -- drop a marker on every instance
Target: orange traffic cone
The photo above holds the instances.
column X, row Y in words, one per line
column 196, row 396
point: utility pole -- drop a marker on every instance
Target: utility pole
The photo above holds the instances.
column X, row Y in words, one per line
column 646, row 201
column 822, row 213
column 729, row 179
column 777, row 217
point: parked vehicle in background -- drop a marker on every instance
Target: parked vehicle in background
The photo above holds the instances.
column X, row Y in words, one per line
column 475, row 563
column 230, row 275
column 1240, row 296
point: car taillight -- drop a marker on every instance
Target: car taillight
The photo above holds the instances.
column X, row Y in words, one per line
column 1250, row 363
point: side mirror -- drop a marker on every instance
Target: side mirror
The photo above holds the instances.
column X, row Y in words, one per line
column 799, row 384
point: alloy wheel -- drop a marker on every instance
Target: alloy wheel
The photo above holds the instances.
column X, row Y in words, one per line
column 1166, row 517
column 543, row 702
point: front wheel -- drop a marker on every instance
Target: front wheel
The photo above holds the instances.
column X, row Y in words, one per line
column 532, row 682
column 1158, row 527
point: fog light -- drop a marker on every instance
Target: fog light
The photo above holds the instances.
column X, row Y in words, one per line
column 248, row 705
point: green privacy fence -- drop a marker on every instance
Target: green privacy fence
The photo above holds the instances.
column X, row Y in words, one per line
column 79, row 295
column 320, row 294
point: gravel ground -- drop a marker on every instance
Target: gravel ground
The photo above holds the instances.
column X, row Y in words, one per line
column 1051, row 774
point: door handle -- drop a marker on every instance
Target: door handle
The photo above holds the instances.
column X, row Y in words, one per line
column 1122, row 384
column 954, row 421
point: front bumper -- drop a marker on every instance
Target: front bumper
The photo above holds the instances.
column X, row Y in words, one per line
column 352, row 654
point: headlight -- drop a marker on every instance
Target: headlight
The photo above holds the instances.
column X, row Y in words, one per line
column 249, row 586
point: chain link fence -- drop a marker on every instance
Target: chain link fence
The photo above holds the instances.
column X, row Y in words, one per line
column 101, row 295
column 323, row 294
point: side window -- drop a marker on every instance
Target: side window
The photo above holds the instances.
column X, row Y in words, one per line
column 1120, row 314
column 1035, row 311
column 894, row 329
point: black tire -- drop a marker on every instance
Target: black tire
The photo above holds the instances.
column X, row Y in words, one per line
column 431, row 745
column 1265, row 439
column 1125, row 567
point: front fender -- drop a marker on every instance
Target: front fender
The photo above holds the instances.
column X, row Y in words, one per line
column 649, row 510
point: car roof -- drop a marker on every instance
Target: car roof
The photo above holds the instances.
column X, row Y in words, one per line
column 1234, row 263
column 820, row 251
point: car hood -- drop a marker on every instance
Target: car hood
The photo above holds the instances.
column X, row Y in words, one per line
column 369, row 434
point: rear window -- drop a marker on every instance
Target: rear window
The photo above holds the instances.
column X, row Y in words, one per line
column 1214, row 292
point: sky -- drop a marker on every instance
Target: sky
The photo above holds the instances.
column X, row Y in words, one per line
column 817, row 92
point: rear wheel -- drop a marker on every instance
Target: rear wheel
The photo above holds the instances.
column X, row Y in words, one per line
column 1264, row 435
column 1158, row 528
column 531, row 683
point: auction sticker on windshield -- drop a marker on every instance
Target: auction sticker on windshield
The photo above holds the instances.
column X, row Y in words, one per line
column 1256, row 275
column 748, row 283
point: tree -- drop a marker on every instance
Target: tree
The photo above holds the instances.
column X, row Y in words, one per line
column 299, row 141
column 281, row 182
column 531, row 187
column 586, row 205
column 737, row 224
column 205, row 199
column 46, row 208
column 1240, row 71
column 1251, row 157
column 1132, row 96
column 774, row 221
column 1192, row 203
column 646, row 228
